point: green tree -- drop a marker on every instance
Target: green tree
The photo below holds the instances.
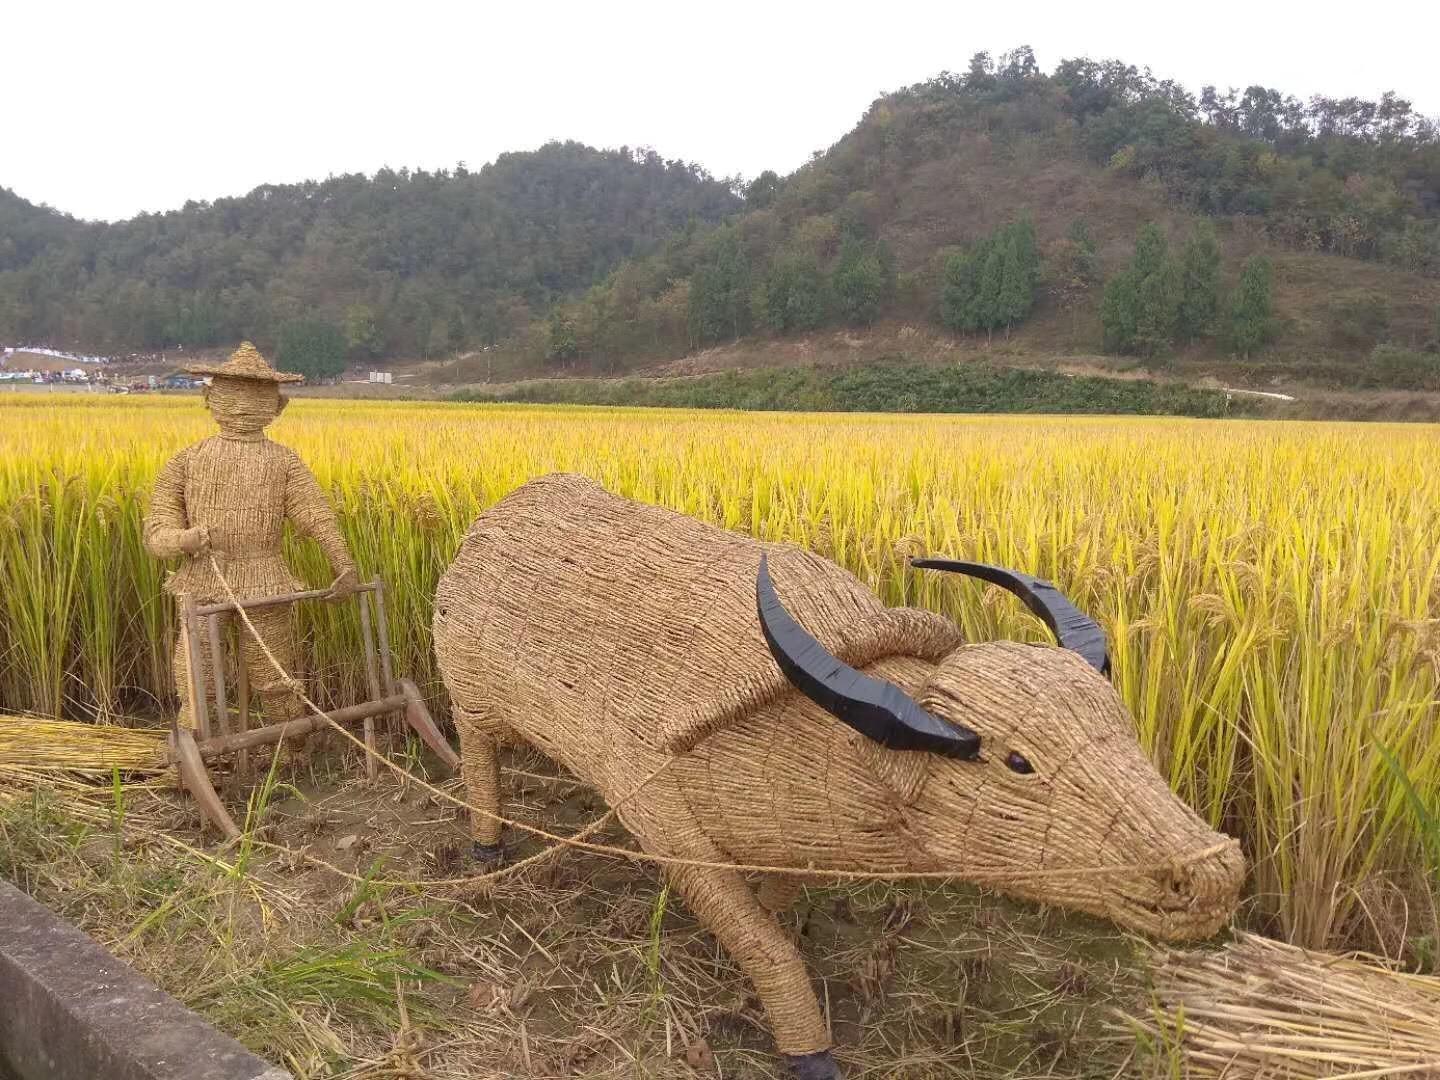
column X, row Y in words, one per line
column 1199, row 283
column 528, row 228
column 313, row 348
column 858, row 284
column 795, row 294
column 1251, row 316
column 362, row 334
column 1159, row 309
column 992, row 283
column 960, row 291
column 561, row 343
column 1020, row 274
column 1151, row 250
column 720, row 292
column 1076, row 268
column 1142, row 303
column 1023, row 232
column 761, row 191
column 1119, row 311
column 455, row 332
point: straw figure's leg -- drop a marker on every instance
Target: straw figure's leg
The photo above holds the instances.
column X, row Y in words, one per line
column 277, row 700
column 480, row 764
column 182, row 673
column 726, row 905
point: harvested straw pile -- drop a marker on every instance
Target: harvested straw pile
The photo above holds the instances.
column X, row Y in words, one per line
column 1261, row 1008
column 34, row 744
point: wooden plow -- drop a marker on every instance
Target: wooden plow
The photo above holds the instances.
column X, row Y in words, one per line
column 231, row 735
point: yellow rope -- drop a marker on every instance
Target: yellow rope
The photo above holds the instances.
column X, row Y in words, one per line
column 976, row 877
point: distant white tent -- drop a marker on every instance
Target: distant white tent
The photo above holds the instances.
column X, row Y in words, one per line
column 55, row 354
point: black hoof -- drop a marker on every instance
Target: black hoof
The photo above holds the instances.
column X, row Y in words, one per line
column 817, row 1066
column 490, row 856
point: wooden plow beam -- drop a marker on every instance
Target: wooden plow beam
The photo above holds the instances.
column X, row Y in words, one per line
column 388, row 695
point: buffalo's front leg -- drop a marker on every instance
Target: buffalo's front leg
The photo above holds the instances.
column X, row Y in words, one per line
column 480, row 765
column 727, row 907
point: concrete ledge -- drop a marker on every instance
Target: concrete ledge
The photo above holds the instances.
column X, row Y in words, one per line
column 69, row 1010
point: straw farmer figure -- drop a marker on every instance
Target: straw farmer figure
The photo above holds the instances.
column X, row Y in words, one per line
column 224, row 502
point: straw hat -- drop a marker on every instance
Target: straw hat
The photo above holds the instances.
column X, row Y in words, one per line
column 245, row 363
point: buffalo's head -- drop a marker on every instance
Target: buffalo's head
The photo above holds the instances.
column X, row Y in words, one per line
column 1030, row 775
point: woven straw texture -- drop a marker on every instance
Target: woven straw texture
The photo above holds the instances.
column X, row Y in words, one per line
column 242, row 491
column 1266, row 1010
column 232, row 494
column 621, row 639
column 245, row 363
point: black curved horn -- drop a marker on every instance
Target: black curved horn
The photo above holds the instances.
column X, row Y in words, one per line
column 1073, row 629
column 878, row 710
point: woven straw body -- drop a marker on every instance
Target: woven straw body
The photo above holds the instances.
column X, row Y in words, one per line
column 621, row 639
column 241, row 489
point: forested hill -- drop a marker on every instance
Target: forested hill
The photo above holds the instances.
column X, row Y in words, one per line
column 1007, row 201
column 410, row 262
column 1095, row 209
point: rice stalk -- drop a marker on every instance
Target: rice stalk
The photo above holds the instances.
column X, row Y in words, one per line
column 1271, row 591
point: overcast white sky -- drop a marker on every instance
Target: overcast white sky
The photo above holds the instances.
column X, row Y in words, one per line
column 114, row 108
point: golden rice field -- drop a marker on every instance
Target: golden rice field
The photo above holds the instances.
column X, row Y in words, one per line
column 1272, row 590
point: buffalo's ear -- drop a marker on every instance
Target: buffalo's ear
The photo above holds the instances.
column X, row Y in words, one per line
column 903, row 774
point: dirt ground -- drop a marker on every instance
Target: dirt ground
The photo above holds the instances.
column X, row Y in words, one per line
column 580, row 965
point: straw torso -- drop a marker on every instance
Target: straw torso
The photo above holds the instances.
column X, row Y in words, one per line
column 243, row 491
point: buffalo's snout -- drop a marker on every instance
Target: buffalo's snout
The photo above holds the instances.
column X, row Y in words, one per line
column 1189, row 897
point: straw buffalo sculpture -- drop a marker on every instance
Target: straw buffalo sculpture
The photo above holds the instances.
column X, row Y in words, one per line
column 751, row 703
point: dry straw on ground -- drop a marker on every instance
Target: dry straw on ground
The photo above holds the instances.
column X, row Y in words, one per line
column 38, row 744
column 1263, row 1009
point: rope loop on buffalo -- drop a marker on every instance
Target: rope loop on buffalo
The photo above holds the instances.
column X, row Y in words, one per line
column 580, row 843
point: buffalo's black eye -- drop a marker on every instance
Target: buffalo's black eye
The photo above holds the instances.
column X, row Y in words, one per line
column 1019, row 763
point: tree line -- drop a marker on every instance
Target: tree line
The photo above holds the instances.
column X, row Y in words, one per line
column 992, row 284
column 1307, row 174
column 889, row 386
column 402, row 262
column 724, row 293
column 616, row 257
column 1159, row 299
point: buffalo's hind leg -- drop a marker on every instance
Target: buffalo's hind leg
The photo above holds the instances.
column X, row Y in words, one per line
column 727, row 907
column 480, row 765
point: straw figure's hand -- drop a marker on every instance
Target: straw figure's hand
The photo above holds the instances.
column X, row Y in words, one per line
column 195, row 541
column 343, row 585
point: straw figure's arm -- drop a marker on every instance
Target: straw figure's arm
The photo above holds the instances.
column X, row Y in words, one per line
column 311, row 514
column 167, row 524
